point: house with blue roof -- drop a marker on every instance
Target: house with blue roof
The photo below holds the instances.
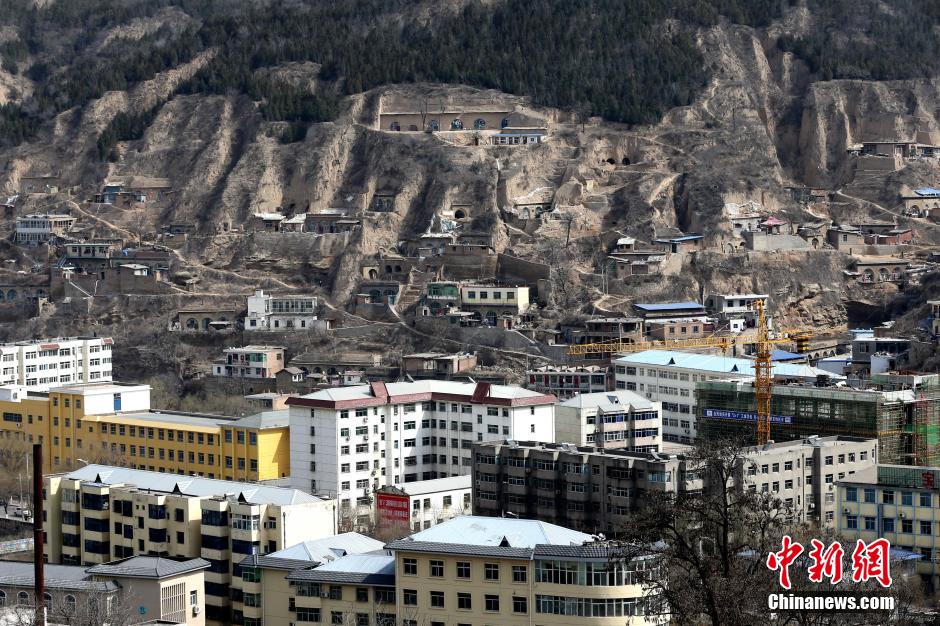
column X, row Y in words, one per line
column 921, row 202
column 670, row 377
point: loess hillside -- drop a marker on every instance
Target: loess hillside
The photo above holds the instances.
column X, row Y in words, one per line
column 658, row 114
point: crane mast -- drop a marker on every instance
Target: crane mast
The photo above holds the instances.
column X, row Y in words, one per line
column 763, row 375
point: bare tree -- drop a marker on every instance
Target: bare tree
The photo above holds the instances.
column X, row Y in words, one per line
column 15, row 452
column 713, row 544
column 96, row 605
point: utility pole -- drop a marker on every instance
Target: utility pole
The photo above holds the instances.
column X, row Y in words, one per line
column 39, row 580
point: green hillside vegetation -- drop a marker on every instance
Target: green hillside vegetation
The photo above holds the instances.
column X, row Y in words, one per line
column 626, row 60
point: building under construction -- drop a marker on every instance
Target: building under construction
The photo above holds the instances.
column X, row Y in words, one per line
column 902, row 412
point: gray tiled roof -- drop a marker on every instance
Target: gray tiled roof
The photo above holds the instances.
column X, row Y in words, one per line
column 589, row 551
column 148, row 567
column 407, row 545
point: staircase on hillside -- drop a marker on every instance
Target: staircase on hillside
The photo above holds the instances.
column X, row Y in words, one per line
column 411, row 294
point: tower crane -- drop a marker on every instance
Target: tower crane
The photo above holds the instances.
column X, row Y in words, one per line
column 763, row 363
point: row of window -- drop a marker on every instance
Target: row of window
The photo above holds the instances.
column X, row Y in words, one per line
column 889, row 525
column 436, row 600
column 491, row 571
column 924, row 498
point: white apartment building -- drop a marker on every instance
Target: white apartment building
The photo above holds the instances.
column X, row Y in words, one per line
column 610, row 419
column 426, row 502
column 802, row 472
column 41, row 365
column 284, row 312
column 738, row 311
column 36, row 229
column 350, row 441
column 669, row 377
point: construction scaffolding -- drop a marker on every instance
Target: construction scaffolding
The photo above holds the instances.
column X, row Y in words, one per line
column 906, row 422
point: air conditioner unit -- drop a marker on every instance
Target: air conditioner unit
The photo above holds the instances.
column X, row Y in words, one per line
column 846, row 511
column 324, row 594
column 528, row 470
column 197, row 609
column 901, row 515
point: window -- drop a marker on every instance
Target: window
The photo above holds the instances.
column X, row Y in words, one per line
column 851, row 522
column 437, row 599
column 410, row 567
column 463, row 570
column 491, row 603
column 907, row 526
column 887, row 525
column 907, row 498
column 491, row 571
column 925, row 499
column 887, row 496
column 409, row 597
column 436, row 569
column 926, row 527
column 362, row 594
column 869, row 495
column 851, row 494
column 520, row 604
column 519, row 574
column 463, row 601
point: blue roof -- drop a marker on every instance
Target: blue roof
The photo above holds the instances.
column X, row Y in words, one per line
column 927, row 191
column 668, row 306
column 362, row 564
column 328, row 548
column 494, row 531
column 683, row 238
column 783, row 355
column 717, row 364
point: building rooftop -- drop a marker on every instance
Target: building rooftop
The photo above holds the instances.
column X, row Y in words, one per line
column 141, row 566
column 375, row 568
column 717, row 364
column 253, row 348
column 315, row 552
column 87, row 389
column 265, row 419
column 329, row 548
column 745, row 296
column 189, row 485
column 425, row 390
column 435, row 485
column 574, row 369
column 669, row 306
column 58, row 577
column 56, row 340
column 472, row 530
column 609, row 401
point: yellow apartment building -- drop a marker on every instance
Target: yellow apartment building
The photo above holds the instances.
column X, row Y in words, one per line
column 98, row 513
column 113, row 422
column 264, row 593
column 466, row 571
column 898, row 503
